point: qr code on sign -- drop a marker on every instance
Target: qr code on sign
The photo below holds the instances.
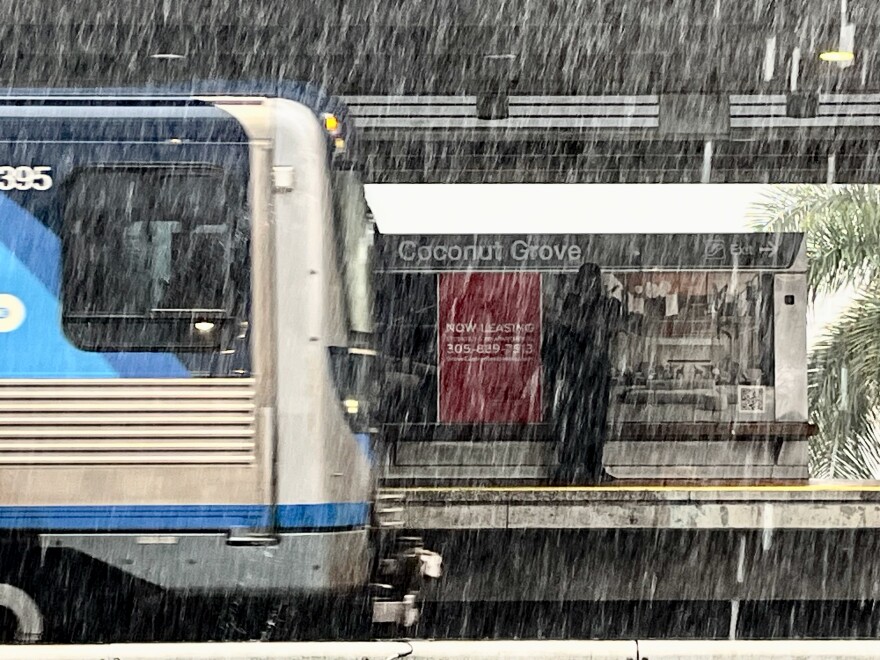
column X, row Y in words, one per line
column 751, row 398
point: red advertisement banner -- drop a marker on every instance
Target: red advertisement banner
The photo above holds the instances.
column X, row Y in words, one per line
column 489, row 357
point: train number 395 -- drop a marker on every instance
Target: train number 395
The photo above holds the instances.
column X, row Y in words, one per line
column 25, row 178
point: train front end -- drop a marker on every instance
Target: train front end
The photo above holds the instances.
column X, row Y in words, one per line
column 180, row 273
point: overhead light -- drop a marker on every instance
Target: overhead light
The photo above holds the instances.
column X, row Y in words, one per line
column 167, row 56
column 844, row 54
column 204, row 326
column 837, row 56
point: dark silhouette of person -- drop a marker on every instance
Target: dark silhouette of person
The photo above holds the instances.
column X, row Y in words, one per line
column 577, row 363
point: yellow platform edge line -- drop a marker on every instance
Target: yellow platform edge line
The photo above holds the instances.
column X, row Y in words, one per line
column 768, row 488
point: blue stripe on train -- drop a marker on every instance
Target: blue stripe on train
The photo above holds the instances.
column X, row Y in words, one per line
column 183, row 517
column 335, row 514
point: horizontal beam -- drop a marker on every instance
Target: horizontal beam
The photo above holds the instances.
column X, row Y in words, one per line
column 759, row 508
column 617, row 138
column 755, row 158
column 626, row 515
column 685, row 115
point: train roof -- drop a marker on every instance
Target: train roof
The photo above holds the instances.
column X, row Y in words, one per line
column 309, row 95
column 186, row 94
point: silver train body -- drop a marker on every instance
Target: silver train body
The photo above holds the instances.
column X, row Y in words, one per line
column 193, row 462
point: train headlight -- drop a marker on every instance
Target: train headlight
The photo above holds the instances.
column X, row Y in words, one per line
column 331, row 123
column 352, row 406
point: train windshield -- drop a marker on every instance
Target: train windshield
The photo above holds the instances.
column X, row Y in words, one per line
column 148, row 244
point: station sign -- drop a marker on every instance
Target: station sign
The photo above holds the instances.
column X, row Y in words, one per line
column 568, row 252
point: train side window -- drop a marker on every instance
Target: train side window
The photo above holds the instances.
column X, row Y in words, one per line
column 354, row 237
column 152, row 257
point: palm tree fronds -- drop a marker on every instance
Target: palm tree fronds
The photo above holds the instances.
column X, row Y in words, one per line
column 843, row 248
column 844, row 389
column 843, row 228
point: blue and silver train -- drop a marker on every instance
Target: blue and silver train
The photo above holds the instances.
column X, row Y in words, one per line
column 184, row 294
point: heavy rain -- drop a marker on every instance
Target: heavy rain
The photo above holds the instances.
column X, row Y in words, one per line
column 516, row 321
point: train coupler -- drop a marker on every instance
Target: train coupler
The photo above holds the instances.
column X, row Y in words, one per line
column 403, row 575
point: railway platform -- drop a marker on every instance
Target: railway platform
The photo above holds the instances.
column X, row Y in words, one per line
column 734, row 543
column 815, row 506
